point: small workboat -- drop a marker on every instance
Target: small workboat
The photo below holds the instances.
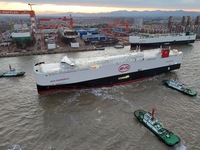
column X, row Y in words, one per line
column 173, row 83
column 151, row 122
column 12, row 73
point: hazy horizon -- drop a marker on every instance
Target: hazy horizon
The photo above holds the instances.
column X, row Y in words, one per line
column 90, row 6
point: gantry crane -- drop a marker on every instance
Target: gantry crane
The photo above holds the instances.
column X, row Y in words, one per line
column 22, row 12
column 52, row 23
column 119, row 25
column 58, row 20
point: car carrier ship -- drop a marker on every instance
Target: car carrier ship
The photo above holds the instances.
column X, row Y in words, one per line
column 156, row 40
column 85, row 73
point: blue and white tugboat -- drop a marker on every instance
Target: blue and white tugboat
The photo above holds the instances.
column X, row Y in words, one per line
column 12, row 73
column 174, row 84
column 149, row 121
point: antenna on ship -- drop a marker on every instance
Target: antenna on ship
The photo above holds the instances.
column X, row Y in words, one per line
column 153, row 113
column 9, row 66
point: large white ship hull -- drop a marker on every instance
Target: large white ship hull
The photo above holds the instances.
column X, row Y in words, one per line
column 107, row 75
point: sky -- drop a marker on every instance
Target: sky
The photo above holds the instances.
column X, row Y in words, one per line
column 96, row 6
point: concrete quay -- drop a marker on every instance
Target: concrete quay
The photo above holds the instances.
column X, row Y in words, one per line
column 54, row 51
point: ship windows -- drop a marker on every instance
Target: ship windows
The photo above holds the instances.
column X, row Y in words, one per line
column 124, row 77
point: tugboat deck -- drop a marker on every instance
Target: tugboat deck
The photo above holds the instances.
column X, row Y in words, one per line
column 148, row 120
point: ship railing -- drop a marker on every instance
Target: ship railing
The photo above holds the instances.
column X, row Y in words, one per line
column 150, row 58
column 39, row 63
column 66, row 71
column 22, row 30
column 108, row 61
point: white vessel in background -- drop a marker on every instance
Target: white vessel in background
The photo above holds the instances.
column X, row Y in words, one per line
column 75, row 74
column 157, row 40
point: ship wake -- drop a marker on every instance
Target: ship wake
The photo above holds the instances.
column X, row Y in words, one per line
column 180, row 146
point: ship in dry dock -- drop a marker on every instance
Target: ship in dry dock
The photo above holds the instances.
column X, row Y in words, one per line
column 68, row 35
column 22, row 34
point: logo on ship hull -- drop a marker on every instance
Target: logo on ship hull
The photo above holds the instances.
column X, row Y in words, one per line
column 124, row 68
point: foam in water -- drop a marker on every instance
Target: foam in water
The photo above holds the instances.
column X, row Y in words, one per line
column 107, row 93
column 16, row 147
column 180, row 146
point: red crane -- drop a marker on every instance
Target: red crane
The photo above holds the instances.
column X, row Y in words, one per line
column 58, row 20
column 42, row 35
column 119, row 25
column 21, row 12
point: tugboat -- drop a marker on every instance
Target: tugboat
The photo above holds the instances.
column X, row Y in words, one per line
column 12, row 73
column 174, row 84
column 149, row 121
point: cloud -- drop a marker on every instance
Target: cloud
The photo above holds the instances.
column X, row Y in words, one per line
column 105, row 5
column 122, row 3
